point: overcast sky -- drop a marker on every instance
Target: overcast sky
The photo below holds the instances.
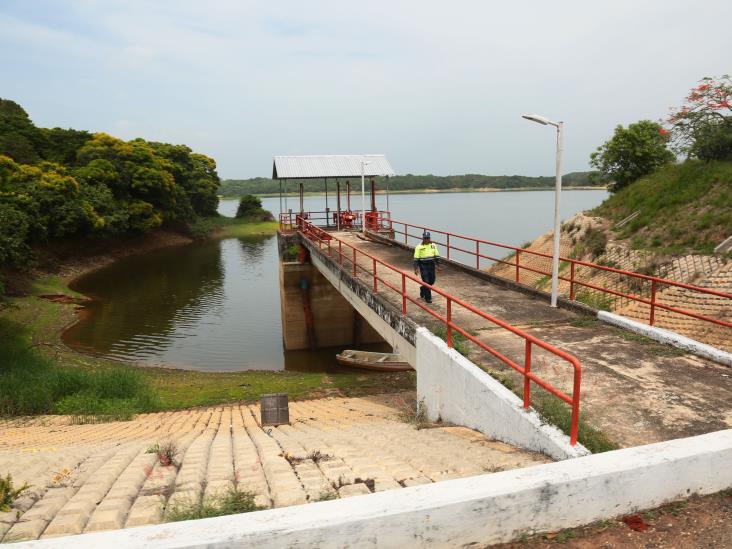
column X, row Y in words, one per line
column 438, row 86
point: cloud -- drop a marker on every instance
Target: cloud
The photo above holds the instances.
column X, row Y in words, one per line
column 437, row 86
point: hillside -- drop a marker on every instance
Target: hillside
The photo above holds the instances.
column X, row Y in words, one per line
column 683, row 208
column 409, row 182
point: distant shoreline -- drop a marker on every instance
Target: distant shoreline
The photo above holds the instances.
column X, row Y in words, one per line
column 431, row 191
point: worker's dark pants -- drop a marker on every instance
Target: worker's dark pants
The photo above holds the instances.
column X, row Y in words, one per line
column 427, row 273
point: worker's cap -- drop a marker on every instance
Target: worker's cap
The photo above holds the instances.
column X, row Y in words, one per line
column 426, row 234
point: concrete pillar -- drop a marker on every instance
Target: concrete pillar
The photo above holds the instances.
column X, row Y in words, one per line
column 334, row 321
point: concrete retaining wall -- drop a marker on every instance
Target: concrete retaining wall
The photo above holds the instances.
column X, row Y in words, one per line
column 457, row 391
column 479, row 510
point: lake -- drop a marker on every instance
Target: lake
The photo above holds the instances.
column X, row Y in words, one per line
column 214, row 305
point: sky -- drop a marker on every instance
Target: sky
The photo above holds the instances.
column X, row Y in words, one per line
column 437, row 86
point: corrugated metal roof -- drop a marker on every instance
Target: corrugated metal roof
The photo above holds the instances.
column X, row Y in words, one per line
column 337, row 165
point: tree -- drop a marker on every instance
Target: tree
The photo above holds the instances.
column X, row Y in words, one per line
column 249, row 205
column 702, row 127
column 632, row 152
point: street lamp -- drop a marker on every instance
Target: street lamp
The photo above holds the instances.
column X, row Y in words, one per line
column 364, row 163
column 557, row 193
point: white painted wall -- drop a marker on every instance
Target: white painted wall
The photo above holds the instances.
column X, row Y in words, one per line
column 482, row 510
column 457, row 391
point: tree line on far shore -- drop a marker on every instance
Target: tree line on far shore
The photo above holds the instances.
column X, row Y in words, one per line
column 409, row 182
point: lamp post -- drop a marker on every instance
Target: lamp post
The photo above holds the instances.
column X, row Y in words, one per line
column 557, row 194
column 364, row 163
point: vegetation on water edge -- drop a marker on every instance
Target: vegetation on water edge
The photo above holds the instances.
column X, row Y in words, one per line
column 230, row 227
column 263, row 185
column 61, row 184
column 84, row 385
column 31, row 383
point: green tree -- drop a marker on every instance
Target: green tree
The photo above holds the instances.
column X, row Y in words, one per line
column 19, row 138
column 702, row 127
column 249, row 205
column 631, row 153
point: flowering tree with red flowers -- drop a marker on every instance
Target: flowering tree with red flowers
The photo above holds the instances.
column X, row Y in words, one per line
column 702, row 127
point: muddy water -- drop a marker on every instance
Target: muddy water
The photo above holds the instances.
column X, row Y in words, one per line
column 214, row 305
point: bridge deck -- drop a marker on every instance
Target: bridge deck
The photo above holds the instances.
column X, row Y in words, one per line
column 636, row 391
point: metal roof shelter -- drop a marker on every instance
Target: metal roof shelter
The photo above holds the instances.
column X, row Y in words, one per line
column 333, row 166
column 330, row 166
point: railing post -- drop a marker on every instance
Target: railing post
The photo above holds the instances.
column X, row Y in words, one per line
column 571, row 280
column 375, row 286
column 518, row 273
column 448, row 246
column 449, row 323
column 330, row 252
column 406, row 231
column 653, row 302
column 477, row 254
column 404, row 294
column 527, row 371
column 340, row 253
column 354, row 262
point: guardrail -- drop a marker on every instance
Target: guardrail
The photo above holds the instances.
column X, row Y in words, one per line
column 348, row 257
column 330, row 219
column 472, row 247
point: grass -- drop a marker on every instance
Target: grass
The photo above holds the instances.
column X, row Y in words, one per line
column 415, row 413
column 584, row 322
column 228, row 227
column 233, row 503
column 653, row 345
column 459, row 341
column 685, row 207
column 31, row 383
column 45, row 375
column 556, row 412
column 596, row 300
column 9, row 493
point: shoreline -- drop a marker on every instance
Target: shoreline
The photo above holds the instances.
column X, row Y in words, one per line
column 43, row 321
column 429, row 191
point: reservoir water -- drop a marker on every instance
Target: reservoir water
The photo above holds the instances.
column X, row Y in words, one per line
column 214, row 305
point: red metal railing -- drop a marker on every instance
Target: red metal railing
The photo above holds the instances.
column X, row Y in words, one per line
column 330, row 219
column 348, row 257
column 474, row 247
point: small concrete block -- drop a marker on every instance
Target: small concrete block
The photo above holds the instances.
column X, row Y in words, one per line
column 67, row 524
column 145, row 510
column 22, row 531
column 284, row 498
column 9, row 517
column 416, row 481
column 349, row 490
column 78, row 507
column 381, row 484
column 106, row 519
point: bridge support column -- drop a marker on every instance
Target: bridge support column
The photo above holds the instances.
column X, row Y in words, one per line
column 315, row 314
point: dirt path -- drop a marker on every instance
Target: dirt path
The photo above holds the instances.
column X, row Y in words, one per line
column 87, row 478
column 634, row 390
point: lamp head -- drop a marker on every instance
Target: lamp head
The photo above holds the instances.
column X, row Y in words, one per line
column 536, row 118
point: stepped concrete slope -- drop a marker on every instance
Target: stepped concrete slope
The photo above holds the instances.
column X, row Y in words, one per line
column 87, row 478
column 633, row 389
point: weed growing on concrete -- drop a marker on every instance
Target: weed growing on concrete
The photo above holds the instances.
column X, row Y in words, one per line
column 167, row 452
column 598, row 301
column 316, row 456
column 326, row 495
column 234, row 502
column 657, row 348
column 9, row 493
column 556, row 412
column 415, row 414
column 459, row 341
column 584, row 322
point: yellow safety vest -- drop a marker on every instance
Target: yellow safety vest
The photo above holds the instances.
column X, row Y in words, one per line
column 426, row 251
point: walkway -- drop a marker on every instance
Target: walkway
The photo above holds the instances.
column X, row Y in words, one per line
column 99, row 477
column 636, row 391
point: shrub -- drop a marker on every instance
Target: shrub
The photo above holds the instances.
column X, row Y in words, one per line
column 8, row 492
column 233, row 503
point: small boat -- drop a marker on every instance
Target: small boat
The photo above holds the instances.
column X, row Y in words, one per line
column 384, row 362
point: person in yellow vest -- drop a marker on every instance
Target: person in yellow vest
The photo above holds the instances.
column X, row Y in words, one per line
column 426, row 262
